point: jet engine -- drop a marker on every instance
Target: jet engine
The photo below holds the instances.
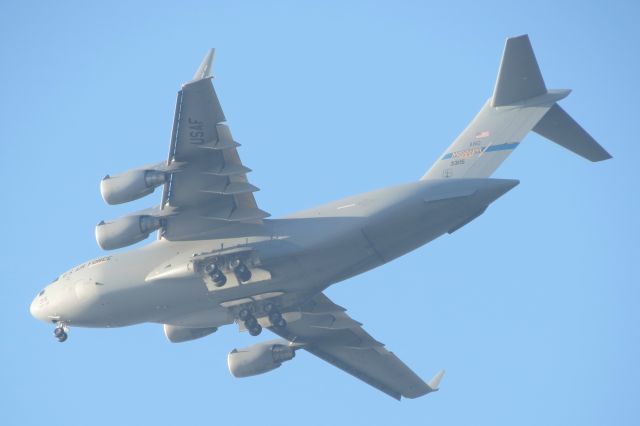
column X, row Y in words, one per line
column 260, row 358
column 131, row 185
column 126, row 230
column 177, row 334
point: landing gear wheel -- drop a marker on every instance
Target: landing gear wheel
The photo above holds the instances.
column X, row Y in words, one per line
column 254, row 331
column 274, row 317
column 244, row 314
column 251, row 322
column 281, row 323
column 216, row 274
column 219, row 278
column 242, row 272
column 269, row 308
column 60, row 333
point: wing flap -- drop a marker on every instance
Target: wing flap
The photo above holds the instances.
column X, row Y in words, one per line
column 231, row 188
column 235, row 215
column 230, row 170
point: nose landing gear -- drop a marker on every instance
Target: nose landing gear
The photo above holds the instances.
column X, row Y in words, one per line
column 60, row 332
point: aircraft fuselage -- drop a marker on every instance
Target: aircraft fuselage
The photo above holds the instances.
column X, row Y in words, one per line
column 304, row 253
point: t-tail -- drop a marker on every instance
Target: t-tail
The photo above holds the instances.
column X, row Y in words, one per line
column 520, row 103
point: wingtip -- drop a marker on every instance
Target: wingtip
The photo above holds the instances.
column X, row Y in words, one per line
column 602, row 155
column 434, row 383
column 205, row 70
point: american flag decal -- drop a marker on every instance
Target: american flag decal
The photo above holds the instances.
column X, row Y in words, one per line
column 482, row 135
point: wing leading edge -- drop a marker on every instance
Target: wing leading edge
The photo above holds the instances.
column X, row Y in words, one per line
column 325, row 330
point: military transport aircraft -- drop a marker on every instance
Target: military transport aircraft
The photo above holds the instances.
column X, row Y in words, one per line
column 218, row 260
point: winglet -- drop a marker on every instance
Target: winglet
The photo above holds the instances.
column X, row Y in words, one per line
column 205, row 69
column 434, row 383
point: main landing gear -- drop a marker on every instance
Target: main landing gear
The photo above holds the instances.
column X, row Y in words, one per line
column 240, row 269
column 215, row 271
column 60, row 332
column 216, row 274
column 251, row 323
column 275, row 317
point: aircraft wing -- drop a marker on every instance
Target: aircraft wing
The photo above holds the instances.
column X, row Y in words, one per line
column 208, row 186
column 325, row 330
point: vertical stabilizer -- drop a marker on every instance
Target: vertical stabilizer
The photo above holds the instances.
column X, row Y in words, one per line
column 519, row 76
column 520, row 103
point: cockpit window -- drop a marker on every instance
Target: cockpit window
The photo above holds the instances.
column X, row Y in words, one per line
column 54, row 280
column 41, row 293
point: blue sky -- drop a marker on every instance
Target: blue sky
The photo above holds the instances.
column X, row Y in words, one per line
column 532, row 309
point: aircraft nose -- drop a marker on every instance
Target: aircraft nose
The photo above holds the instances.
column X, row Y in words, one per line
column 36, row 310
column 40, row 307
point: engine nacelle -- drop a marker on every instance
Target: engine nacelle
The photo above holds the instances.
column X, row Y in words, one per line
column 260, row 358
column 131, row 185
column 177, row 334
column 126, row 230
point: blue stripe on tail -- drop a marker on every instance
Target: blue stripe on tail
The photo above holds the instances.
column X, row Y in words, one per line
column 490, row 148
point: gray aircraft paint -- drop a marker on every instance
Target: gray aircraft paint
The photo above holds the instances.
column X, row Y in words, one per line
column 209, row 214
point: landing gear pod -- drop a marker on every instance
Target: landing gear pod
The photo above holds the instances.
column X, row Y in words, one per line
column 177, row 334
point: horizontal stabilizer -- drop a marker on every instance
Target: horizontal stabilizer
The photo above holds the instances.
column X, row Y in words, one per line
column 519, row 77
column 559, row 127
